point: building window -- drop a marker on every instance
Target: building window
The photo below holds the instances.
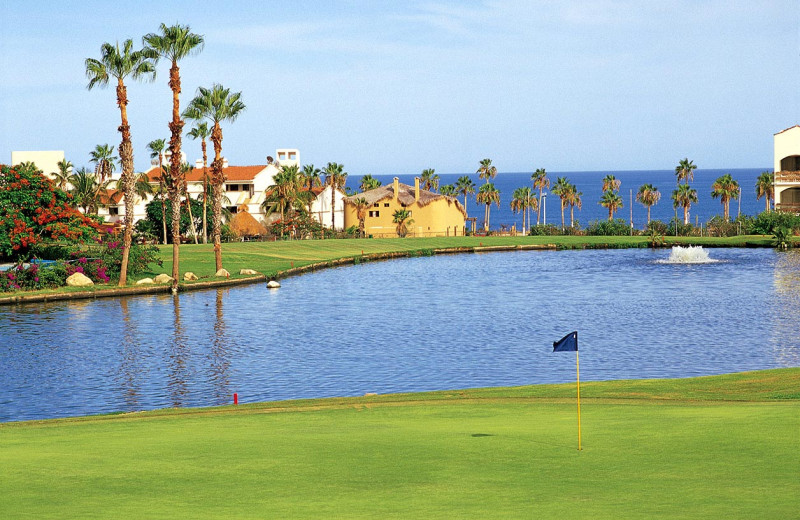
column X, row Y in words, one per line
column 385, row 204
column 374, row 213
column 376, row 205
column 113, row 210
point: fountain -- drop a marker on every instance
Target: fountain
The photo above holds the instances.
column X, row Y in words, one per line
column 688, row 255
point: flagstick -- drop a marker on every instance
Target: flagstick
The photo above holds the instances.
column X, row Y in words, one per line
column 578, row 371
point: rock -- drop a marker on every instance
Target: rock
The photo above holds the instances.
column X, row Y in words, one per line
column 163, row 278
column 145, row 281
column 223, row 273
column 273, row 284
column 370, row 394
column 247, row 271
column 79, row 280
column 189, row 276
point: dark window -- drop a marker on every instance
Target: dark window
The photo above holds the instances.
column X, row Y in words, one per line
column 376, row 205
column 113, row 210
column 385, row 204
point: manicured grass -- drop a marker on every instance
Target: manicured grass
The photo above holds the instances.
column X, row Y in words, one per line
column 652, row 449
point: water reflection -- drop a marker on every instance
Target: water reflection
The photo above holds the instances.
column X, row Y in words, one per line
column 785, row 323
column 130, row 351
column 179, row 373
column 219, row 359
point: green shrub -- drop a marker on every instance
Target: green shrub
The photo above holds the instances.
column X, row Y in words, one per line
column 614, row 228
column 544, row 230
column 657, row 227
column 766, row 223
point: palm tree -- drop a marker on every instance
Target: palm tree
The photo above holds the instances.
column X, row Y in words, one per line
column 486, row 170
column 103, row 155
column 573, row 198
column 765, row 187
column 540, row 181
column 685, row 170
column 649, row 196
column 465, row 187
column 310, row 177
column 335, row 177
column 174, row 43
column 429, row 180
column 521, row 201
column 611, row 183
column 684, row 196
column 448, row 190
column 142, row 187
column 88, row 191
column 488, row 194
column 63, row 173
column 725, row 188
column 156, row 148
column 361, row 206
column 287, row 194
column 216, row 104
column 202, row 132
column 562, row 188
column 120, row 63
column 402, row 217
column 612, row 201
column 368, row 182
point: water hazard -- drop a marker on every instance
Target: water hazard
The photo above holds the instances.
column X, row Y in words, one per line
column 408, row 325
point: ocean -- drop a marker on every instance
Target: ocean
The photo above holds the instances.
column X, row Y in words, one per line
column 590, row 183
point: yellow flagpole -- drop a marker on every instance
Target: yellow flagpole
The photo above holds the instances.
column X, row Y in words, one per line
column 578, row 371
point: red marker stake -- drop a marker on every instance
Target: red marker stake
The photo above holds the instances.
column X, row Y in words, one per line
column 235, row 398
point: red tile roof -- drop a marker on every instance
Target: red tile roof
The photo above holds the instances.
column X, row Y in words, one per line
column 233, row 173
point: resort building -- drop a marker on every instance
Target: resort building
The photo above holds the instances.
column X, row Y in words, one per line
column 787, row 169
column 47, row 161
column 432, row 214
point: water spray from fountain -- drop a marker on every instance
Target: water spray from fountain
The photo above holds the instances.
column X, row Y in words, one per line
column 688, row 255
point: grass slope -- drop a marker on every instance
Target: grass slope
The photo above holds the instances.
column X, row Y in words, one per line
column 722, row 446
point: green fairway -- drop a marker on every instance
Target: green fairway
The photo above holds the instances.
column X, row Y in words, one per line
column 715, row 447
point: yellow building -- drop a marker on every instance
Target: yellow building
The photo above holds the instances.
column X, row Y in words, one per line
column 433, row 214
column 787, row 169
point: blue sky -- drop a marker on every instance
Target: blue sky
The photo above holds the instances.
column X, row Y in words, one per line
column 395, row 87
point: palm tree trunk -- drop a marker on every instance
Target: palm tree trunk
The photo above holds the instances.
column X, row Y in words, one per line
column 562, row 213
column 539, row 209
column 161, row 187
column 176, row 128
column 726, row 209
column 610, row 212
column 648, row 215
column 205, row 191
column 126, row 157
column 465, row 205
column 685, row 215
column 572, row 216
column 333, row 204
column 217, row 180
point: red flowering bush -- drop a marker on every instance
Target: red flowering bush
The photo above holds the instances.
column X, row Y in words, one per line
column 32, row 209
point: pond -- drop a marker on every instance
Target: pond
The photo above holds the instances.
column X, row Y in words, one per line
column 430, row 323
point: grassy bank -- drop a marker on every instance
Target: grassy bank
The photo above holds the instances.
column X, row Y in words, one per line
column 712, row 447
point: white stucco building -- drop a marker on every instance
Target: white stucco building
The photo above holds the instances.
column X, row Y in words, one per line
column 45, row 160
column 787, row 169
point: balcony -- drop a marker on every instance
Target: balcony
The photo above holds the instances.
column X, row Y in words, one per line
column 788, row 207
column 786, row 177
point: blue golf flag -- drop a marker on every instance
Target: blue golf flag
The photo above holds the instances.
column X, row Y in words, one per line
column 568, row 343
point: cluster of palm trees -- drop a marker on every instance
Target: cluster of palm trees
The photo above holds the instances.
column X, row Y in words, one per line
column 212, row 105
column 684, row 195
column 488, row 193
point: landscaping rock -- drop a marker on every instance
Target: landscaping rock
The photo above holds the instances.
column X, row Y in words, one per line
column 223, row 273
column 272, row 284
column 247, row 271
column 163, row 278
column 79, row 280
column 145, row 281
column 189, row 276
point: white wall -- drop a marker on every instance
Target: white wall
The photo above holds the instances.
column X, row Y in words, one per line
column 47, row 161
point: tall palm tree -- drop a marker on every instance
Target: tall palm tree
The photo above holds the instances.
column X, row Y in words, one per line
column 488, row 194
column 649, row 196
column 368, row 182
column 88, row 191
column 765, row 187
column 402, row 217
column 335, row 177
column 685, row 170
column 310, row 177
column 216, row 105
column 63, row 173
column 486, row 170
column 286, row 195
column 611, row 183
column 103, row 154
column 725, row 188
column 465, row 186
column 202, row 132
column 429, row 180
column 174, row 43
column 448, row 190
column 573, row 198
column 612, row 201
column 562, row 188
column 521, row 201
column 156, row 148
column 684, row 196
column 120, row 63
column 540, row 181
column 361, row 206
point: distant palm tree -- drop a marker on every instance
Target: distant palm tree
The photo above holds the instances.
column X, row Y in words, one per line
column 486, row 171
column 174, row 43
column 402, row 217
column 104, row 159
column 310, row 177
column 142, row 186
column 573, row 198
column 725, row 188
column 335, row 177
column 684, row 196
column 368, row 182
column 465, row 187
column 488, row 194
column 286, row 195
column 448, row 190
column 88, row 191
column 63, row 173
column 612, row 201
column 361, row 206
column 611, row 183
column 202, row 132
column 649, row 196
column 765, row 187
column 156, row 148
column 429, row 180
column 562, row 188
column 685, row 170
column 216, row 104
column 540, row 182
column 521, row 200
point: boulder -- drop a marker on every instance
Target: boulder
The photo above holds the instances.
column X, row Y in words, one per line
column 247, row 271
column 189, row 276
column 273, row 284
column 145, row 281
column 79, row 280
column 223, row 273
column 163, row 278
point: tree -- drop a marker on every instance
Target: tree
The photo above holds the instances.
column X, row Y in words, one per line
column 361, row 206
column 540, row 181
column 765, row 187
column 156, row 148
column 429, row 180
column 725, row 188
column 448, row 190
column 561, row 188
column 612, row 201
column 684, row 196
column 335, row 177
column 649, row 196
column 685, row 170
column 216, row 105
column 486, row 170
column 142, row 187
column 402, row 217
column 611, row 183
column 573, row 198
column 63, row 174
column 104, row 159
column 521, row 200
column 287, row 194
column 88, row 191
column 310, row 177
column 202, row 132
column 465, row 186
column 488, row 194
column 368, row 182
column 174, row 43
